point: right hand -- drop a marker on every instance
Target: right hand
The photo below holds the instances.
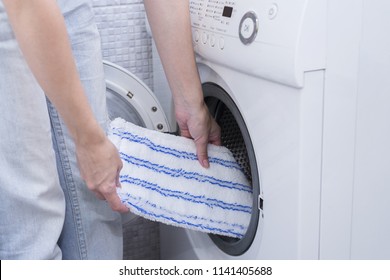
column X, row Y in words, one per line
column 100, row 164
column 196, row 123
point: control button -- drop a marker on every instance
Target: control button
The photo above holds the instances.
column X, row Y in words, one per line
column 196, row 36
column 273, row 11
column 212, row 40
column 205, row 38
column 221, row 43
column 249, row 27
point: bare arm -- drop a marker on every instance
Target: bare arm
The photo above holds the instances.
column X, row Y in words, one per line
column 41, row 33
column 171, row 27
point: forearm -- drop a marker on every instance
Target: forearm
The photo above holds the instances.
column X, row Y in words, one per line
column 41, row 33
column 170, row 24
column 171, row 28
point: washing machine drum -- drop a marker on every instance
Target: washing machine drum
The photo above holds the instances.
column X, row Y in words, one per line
column 130, row 99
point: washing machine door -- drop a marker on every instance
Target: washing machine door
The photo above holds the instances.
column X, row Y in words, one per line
column 130, row 99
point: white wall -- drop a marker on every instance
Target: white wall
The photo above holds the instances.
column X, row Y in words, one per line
column 124, row 37
column 355, row 194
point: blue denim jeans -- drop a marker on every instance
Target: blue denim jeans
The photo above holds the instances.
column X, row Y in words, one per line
column 46, row 210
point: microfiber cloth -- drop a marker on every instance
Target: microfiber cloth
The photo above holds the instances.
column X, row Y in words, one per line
column 163, row 181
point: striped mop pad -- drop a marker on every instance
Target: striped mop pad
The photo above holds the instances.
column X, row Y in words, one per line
column 163, row 181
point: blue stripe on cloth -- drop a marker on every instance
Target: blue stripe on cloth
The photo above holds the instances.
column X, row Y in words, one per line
column 170, row 151
column 173, row 220
column 185, row 174
column 210, row 202
column 140, row 200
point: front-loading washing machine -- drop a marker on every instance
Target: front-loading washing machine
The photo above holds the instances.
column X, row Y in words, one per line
column 262, row 66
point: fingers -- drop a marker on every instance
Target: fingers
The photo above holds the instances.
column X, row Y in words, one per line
column 117, row 181
column 201, row 147
column 109, row 194
column 201, row 152
column 114, row 201
column 203, row 131
column 213, row 137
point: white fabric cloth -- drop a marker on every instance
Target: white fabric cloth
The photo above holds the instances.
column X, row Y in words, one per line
column 163, row 181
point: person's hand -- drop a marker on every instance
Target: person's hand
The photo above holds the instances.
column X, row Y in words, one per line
column 100, row 164
column 199, row 125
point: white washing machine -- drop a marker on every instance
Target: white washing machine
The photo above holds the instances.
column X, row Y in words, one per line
column 262, row 65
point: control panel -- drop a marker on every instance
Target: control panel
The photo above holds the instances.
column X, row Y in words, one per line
column 277, row 40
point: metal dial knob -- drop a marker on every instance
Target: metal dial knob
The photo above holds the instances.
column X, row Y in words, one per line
column 249, row 27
